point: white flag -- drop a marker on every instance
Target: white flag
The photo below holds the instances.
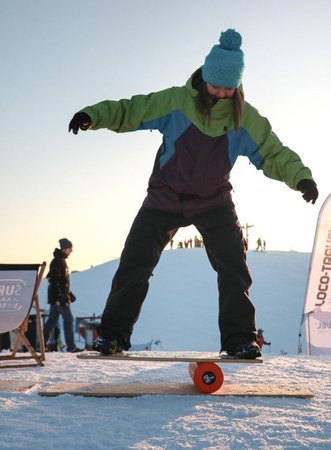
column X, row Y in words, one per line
column 317, row 309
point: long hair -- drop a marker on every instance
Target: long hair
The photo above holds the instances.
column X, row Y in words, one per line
column 204, row 103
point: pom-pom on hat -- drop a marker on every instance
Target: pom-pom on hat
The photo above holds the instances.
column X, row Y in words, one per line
column 65, row 243
column 224, row 66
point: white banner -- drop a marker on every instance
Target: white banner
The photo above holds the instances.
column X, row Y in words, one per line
column 319, row 326
column 16, row 291
column 317, row 309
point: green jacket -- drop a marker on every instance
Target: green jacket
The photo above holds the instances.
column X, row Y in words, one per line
column 192, row 166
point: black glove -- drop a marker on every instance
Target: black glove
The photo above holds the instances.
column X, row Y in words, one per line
column 309, row 190
column 81, row 121
column 72, row 297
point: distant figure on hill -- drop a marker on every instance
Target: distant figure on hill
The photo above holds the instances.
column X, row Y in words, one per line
column 259, row 245
column 206, row 125
column 197, row 242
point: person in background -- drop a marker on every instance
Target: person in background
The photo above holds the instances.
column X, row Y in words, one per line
column 259, row 245
column 206, row 125
column 60, row 297
column 55, row 341
column 260, row 339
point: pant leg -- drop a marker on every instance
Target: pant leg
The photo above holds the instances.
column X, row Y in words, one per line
column 226, row 251
column 51, row 322
column 5, row 341
column 150, row 233
column 68, row 321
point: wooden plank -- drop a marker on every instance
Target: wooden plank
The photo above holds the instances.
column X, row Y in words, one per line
column 17, row 366
column 17, row 385
column 168, row 357
column 135, row 390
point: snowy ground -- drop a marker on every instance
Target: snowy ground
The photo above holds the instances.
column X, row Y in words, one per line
column 29, row 421
column 181, row 311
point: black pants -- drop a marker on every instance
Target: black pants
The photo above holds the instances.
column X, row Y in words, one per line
column 150, row 233
column 5, row 341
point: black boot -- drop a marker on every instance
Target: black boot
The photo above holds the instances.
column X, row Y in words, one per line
column 107, row 346
column 246, row 350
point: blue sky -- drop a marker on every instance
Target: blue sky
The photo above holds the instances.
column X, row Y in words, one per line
column 58, row 57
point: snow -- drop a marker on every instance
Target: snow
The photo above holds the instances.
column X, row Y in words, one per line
column 181, row 311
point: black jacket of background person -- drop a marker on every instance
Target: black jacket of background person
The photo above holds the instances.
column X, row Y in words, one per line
column 59, row 281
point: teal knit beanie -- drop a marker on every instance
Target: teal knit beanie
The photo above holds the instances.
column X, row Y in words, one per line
column 224, row 66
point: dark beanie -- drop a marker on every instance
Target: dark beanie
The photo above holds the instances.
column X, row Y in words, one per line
column 65, row 243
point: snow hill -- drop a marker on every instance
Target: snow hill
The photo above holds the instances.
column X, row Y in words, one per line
column 181, row 307
column 181, row 311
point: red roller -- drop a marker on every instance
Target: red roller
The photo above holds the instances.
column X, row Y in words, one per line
column 207, row 376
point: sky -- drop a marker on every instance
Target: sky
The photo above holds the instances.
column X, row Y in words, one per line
column 58, row 57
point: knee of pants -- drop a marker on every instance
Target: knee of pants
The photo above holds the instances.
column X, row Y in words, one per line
column 68, row 321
